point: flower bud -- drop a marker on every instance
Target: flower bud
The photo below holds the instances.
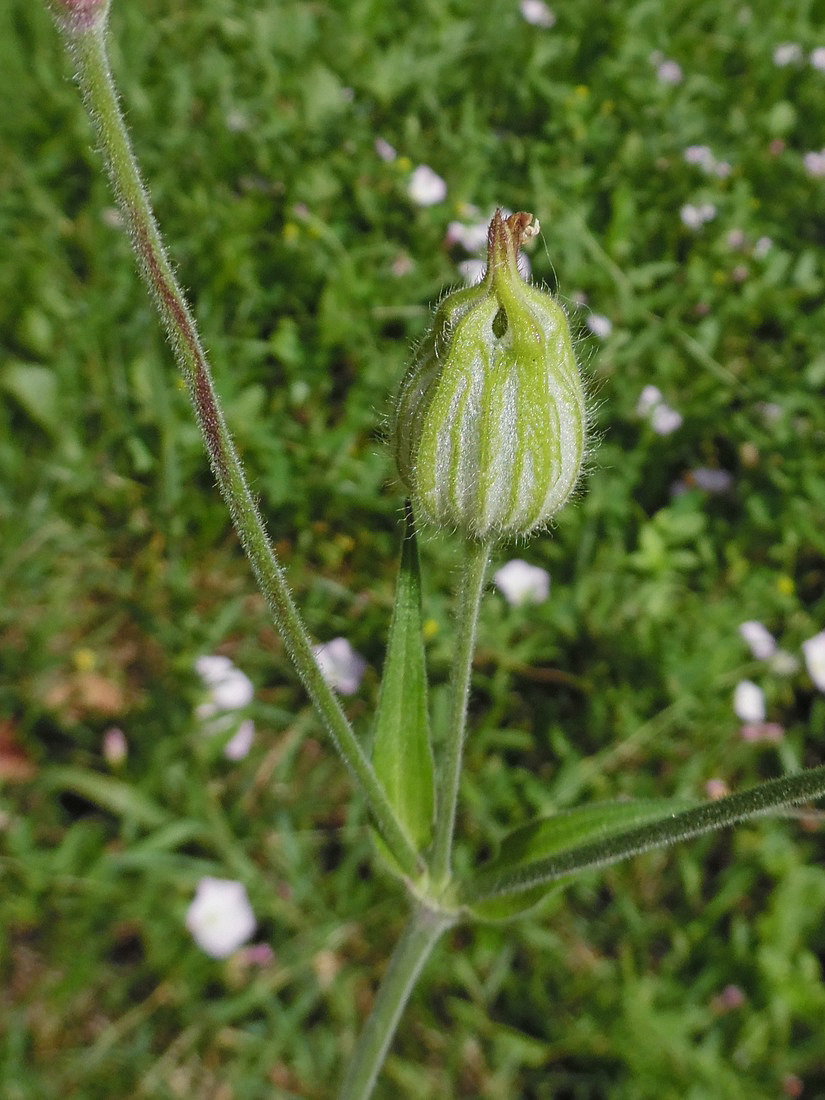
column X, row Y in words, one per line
column 489, row 425
column 78, row 17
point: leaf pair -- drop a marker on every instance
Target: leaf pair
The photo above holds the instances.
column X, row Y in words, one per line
column 536, row 856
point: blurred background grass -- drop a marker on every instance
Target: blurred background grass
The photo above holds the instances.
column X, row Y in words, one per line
column 312, row 273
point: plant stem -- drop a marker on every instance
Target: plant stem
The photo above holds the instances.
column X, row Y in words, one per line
column 420, row 936
column 88, row 48
column 469, row 601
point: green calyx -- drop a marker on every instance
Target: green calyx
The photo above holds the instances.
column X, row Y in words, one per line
column 490, row 420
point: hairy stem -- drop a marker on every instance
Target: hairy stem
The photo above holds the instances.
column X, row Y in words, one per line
column 88, row 48
column 477, row 555
column 420, row 936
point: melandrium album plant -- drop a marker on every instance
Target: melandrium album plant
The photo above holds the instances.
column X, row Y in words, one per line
column 489, row 437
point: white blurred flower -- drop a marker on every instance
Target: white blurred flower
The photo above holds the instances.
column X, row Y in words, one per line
column 238, row 746
column 716, row 788
column 694, row 217
column 710, row 479
column 402, row 265
column 649, row 398
column 115, row 747
column 227, row 687
column 537, row 13
column 521, row 583
column 664, row 419
column 735, row 239
column 817, row 58
column 220, row 917
column 762, row 731
column 758, row 639
column 599, row 325
column 384, row 150
column 228, row 690
column 787, row 53
column 749, row 702
column 701, row 156
column 815, row 164
column 472, row 238
column 236, row 122
column 472, row 271
column 652, row 407
column 669, row 72
column 426, row 187
column 340, row 665
column 814, row 653
column 762, row 247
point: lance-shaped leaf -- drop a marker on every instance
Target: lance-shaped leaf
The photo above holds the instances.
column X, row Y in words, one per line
column 402, row 755
column 538, row 855
column 525, row 847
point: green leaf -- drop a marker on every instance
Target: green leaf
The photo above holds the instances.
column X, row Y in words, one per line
column 35, row 389
column 401, row 754
column 538, row 857
column 109, row 794
column 551, row 835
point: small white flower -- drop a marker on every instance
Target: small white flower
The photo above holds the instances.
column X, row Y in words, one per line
column 472, row 238
column 220, row 917
column 652, row 407
column 236, row 122
column 649, row 398
column 384, row 150
column 537, row 13
column 815, row 164
column 233, row 692
column 749, row 702
column 711, row 479
column 669, row 72
column 758, row 639
column 664, row 420
column 521, row 583
column 212, row 669
column 694, row 217
column 814, row 652
column 115, row 747
column 340, row 665
column 787, row 53
column 762, row 247
column 425, row 187
column 472, row 271
column 238, row 746
column 227, row 687
column 818, row 58
column 722, row 169
column 716, row 788
column 701, row 156
column 735, row 239
column 599, row 325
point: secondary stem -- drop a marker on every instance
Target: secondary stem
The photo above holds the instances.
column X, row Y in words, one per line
column 88, row 49
column 420, row 936
column 469, row 601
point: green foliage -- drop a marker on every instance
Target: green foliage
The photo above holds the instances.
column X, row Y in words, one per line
column 312, row 274
column 401, row 752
